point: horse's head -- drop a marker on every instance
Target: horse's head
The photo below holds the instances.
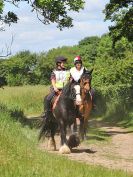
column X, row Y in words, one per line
column 84, row 87
column 85, row 81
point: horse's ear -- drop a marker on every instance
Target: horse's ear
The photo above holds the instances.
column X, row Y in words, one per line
column 91, row 71
column 88, row 72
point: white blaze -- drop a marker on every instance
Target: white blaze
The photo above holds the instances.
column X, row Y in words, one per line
column 78, row 97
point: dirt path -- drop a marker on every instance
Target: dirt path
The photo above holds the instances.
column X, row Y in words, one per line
column 116, row 153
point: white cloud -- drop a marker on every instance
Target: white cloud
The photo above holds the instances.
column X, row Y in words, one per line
column 31, row 34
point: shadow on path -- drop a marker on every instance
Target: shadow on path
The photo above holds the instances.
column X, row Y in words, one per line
column 88, row 151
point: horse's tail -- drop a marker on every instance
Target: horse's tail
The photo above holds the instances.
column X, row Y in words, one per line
column 43, row 130
column 48, row 127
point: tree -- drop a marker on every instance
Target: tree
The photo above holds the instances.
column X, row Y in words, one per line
column 19, row 69
column 121, row 13
column 8, row 18
column 93, row 40
column 48, row 11
column 88, row 49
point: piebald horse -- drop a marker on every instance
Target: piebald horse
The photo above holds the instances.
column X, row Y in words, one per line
column 66, row 111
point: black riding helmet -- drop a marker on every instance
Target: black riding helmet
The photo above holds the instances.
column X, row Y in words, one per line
column 60, row 59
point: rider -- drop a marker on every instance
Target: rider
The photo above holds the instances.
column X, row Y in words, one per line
column 59, row 78
column 76, row 73
column 77, row 70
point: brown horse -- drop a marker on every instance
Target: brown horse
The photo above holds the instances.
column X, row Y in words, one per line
column 86, row 103
column 64, row 114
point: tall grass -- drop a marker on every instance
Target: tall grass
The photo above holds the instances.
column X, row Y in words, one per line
column 114, row 104
column 27, row 98
column 19, row 152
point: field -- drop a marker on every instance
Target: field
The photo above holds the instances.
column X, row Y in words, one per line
column 19, row 150
column 29, row 99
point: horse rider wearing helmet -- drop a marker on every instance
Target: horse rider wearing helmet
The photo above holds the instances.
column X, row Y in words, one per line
column 59, row 78
column 76, row 73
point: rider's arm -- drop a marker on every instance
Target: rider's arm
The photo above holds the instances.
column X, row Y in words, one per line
column 53, row 82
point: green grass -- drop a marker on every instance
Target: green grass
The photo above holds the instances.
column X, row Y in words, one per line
column 21, row 157
column 27, row 98
column 19, row 152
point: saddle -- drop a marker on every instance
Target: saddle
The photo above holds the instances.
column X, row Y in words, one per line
column 55, row 99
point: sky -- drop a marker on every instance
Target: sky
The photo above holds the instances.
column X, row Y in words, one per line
column 30, row 34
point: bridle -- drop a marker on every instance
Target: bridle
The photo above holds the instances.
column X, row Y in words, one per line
column 85, row 85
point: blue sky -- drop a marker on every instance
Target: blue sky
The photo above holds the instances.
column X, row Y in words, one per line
column 30, row 34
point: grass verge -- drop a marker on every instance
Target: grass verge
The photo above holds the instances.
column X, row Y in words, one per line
column 27, row 98
column 20, row 156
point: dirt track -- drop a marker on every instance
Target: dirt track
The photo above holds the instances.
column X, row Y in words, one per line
column 115, row 154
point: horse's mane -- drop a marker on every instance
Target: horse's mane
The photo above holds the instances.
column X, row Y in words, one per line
column 67, row 89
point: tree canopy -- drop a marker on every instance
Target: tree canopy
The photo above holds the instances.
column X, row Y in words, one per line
column 111, row 65
column 120, row 12
column 48, row 11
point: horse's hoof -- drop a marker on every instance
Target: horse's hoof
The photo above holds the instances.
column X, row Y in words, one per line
column 73, row 141
column 64, row 149
column 51, row 145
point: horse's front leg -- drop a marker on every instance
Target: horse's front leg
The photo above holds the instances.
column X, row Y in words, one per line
column 78, row 128
column 81, row 129
column 51, row 144
column 64, row 149
column 85, row 128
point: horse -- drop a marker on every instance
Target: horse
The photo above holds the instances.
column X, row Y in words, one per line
column 66, row 111
column 84, row 109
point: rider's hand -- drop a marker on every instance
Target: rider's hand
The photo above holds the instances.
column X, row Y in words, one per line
column 55, row 89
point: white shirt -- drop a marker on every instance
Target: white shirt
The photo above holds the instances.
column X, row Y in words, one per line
column 76, row 74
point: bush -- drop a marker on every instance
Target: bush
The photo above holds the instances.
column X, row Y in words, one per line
column 115, row 102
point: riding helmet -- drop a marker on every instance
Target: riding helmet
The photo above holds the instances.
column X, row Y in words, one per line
column 60, row 59
column 77, row 59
